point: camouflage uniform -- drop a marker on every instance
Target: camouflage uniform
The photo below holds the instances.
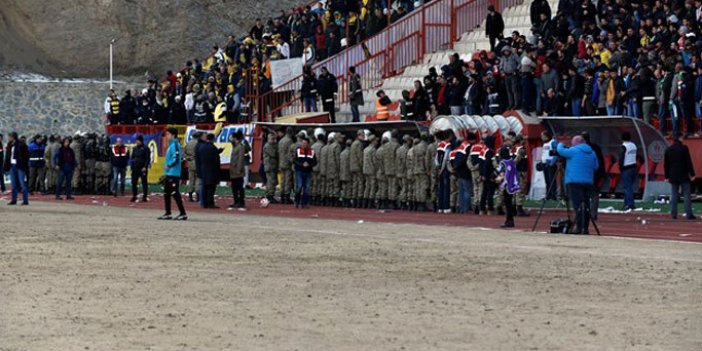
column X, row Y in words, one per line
column 356, row 169
column 474, row 159
column 77, row 147
column 194, row 182
column 285, row 167
column 323, row 170
column 380, row 179
column 433, row 178
column 401, row 170
column 333, row 170
column 51, row 175
column 410, row 179
column 270, row 165
column 345, row 174
column 390, row 170
column 317, row 180
column 421, row 172
column 521, row 161
column 369, row 173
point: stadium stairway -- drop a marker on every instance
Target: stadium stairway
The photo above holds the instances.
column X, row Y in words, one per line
column 516, row 18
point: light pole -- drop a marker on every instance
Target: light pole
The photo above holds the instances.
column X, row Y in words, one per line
column 112, row 42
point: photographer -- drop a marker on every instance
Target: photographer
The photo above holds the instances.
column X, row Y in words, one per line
column 581, row 164
column 549, row 164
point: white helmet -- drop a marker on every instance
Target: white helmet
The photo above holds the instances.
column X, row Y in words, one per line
column 387, row 135
column 319, row 131
column 367, row 134
column 332, row 136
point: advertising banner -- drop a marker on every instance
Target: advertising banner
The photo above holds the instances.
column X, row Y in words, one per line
column 222, row 140
column 153, row 142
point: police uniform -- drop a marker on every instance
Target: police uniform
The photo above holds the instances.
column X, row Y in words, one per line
column 433, row 177
column 442, row 170
column 458, row 158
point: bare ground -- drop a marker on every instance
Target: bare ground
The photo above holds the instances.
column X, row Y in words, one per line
column 105, row 278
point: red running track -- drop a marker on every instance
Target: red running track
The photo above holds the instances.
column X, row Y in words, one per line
column 634, row 225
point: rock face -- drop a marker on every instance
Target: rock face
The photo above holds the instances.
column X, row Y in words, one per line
column 71, row 38
column 44, row 108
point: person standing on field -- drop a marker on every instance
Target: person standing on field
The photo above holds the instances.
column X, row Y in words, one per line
column 270, row 166
column 194, row 183
column 171, row 171
column 140, row 162
column 679, row 172
column 65, row 162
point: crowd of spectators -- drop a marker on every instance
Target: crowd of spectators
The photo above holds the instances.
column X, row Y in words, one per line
column 612, row 57
column 216, row 89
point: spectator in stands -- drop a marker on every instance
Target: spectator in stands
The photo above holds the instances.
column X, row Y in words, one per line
column 509, row 66
column 308, row 90
column 494, row 26
column 112, row 108
column 420, row 101
column 127, row 108
column 256, row 31
column 355, row 93
column 538, row 8
column 455, row 91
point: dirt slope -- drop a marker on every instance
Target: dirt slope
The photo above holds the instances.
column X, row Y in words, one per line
column 71, row 38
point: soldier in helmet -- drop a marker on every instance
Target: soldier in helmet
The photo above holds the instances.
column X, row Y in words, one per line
column 51, row 174
column 390, row 169
column 475, row 159
column 345, row 173
column 410, row 180
column 285, row 165
column 422, row 172
column 317, row 179
column 90, row 151
column 333, row 170
column 370, row 172
column 381, row 180
column 401, row 171
column 520, row 159
column 356, row 169
column 323, row 170
column 270, row 166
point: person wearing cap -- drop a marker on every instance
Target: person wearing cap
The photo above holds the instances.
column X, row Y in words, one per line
column 17, row 162
column 370, row 171
column 356, row 169
column 304, row 160
column 140, row 162
column 172, row 173
column 679, row 172
column 581, row 164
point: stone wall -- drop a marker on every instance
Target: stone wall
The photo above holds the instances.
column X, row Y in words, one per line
column 58, row 107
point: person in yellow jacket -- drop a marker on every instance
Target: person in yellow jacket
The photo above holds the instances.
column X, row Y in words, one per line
column 381, row 106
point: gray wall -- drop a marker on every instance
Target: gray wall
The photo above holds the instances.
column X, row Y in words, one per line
column 48, row 108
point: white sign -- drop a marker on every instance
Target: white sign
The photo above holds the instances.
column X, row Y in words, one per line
column 283, row 71
column 222, row 140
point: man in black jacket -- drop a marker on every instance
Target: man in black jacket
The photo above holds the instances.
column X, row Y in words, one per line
column 600, row 174
column 141, row 159
column 679, row 172
column 494, row 26
column 327, row 87
column 17, row 162
column 207, row 159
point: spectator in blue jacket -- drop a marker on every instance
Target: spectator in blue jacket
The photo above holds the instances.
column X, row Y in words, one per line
column 37, row 169
column 171, row 171
column 581, row 164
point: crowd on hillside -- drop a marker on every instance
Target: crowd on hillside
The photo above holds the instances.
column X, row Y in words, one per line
column 215, row 89
column 640, row 59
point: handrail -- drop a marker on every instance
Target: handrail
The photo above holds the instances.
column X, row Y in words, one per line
column 433, row 26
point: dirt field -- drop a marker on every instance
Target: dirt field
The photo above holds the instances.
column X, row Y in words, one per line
column 107, row 278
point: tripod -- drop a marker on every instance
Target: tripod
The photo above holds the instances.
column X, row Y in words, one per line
column 543, row 201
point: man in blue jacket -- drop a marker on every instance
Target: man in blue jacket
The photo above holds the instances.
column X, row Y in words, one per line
column 37, row 169
column 171, row 170
column 581, row 164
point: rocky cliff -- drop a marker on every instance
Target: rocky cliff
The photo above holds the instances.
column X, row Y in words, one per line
column 71, row 38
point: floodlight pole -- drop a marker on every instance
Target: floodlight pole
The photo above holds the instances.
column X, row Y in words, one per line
column 112, row 42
